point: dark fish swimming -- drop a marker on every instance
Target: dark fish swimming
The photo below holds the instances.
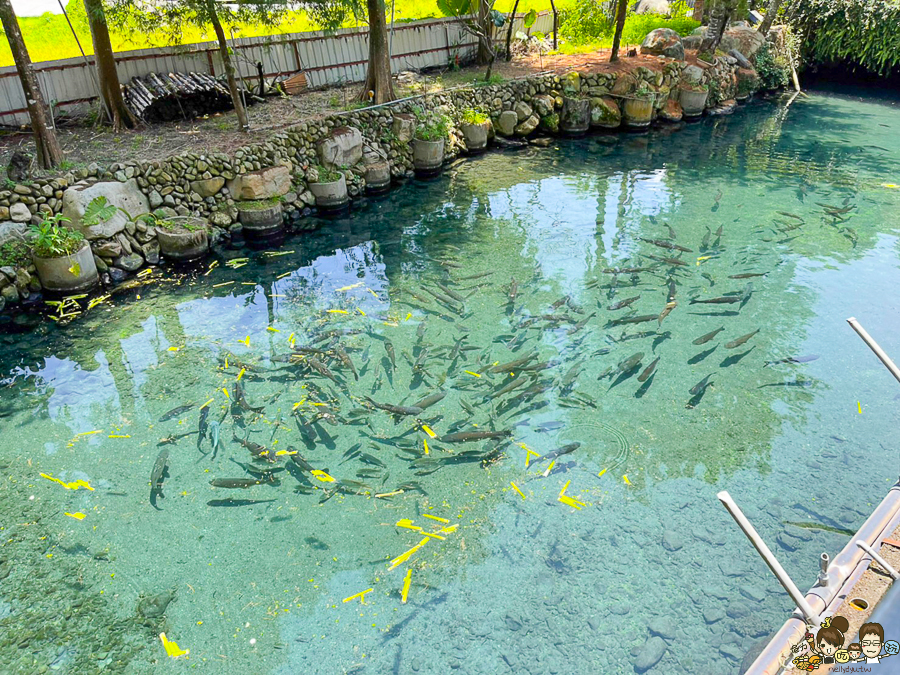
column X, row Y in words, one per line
column 748, row 275
column 623, row 303
column 701, row 386
column 395, row 409
column 468, row 436
column 703, row 339
column 559, row 452
column 633, row 319
column 158, row 475
column 175, row 412
column 203, row 426
column 648, row 371
column 669, row 245
column 724, row 300
column 389, row 348
column 741, row 340
column 630, row 363
column 242, row 483
column 238, row 502
column 793, row 359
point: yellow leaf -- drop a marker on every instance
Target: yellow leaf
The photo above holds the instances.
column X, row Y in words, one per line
column 77, row 516
column 75, row 269
column 322, row 476
column 172, row 648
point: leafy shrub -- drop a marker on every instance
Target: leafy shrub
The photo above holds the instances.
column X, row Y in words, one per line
column 638, row 25
column 327, row 175
column 53, row 240
column 773, row 73
column 14, row 253
column 584, row 21
column 472, row 116
column 431, row 126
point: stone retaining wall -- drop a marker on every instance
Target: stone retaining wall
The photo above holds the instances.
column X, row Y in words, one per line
column 372, row 139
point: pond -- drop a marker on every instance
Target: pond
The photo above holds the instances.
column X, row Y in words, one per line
column 494, row 286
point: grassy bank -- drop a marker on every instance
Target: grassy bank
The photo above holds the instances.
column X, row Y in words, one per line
column 48, row 37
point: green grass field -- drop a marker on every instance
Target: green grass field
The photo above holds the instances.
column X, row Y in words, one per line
column 48, row 37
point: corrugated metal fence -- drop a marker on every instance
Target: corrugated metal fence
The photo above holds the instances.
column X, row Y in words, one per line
column 326, row 58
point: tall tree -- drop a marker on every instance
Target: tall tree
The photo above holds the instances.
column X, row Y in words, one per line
column 481, row 26
column 49, row 153
column 332, row 14
column 108, row 77
column 621, row 11
column 769, row 18
column 171, row 17
column 719, row 16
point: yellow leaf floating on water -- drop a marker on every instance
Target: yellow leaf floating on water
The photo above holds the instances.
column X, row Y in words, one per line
column 890, row 185
column 425, row 443
column 74, row 485
column 408, row 524
column 77, row 516
column 428, row 431
column 349, row 288
column 471, row 373
column 406, row 583
column 172, row 648
column 437, row 518
column 516, row 488
column 625, row 478
column 361, row 596
column 75, row 269
column 322, row 476
column 338, row 311
column 403, row 557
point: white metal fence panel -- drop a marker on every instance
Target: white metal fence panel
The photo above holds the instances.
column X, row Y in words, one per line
column 340, row 57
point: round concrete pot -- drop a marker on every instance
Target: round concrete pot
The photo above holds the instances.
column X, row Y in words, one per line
column 183, row 244
column 75, row 273
column 637, row 113
column 575, row 118
column 692, row 102
column 331, row 197
column 378, row 177
column 428, row 157
column 260, row 221
column 476, row 136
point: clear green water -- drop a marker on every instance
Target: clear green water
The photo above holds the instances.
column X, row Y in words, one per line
column 522, row 586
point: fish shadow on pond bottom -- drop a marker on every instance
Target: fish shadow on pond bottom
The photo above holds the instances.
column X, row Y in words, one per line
column 644, row 387
column 697, row 358
column 624, row 376
column 734, row 358
column 727, row 312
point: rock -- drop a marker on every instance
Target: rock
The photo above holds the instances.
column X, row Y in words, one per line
column 543, row 142
column 691, row 41
column 206, row 188
column 107, row 249
column 744, row 39
column 572, row 83
column 156, row 199
column 625, row 85
column 663, row 42
column 117, row 275
column 549, row 123
column 130, row 263
column 671, row 111
column 754, row 593
column 151, row 252
column 523, row 111
column 605, row 113
column 266, row 183
column 740, row 58
column 663, row 626
column 543, row 105
column 650, row 654
column 19, row 167
column 732, row 651
column 724, row 108
column 126, row 196
column 19, row 213
column 528, row 126
column 652, row 7
column 403, row 127
column 671, row 541
column 713, row 615
column 692, row 74
column 220, row 219
column 8, row 272
column 343, row 147
column 23, row 279
column 506, row 124
column 10, row 230
column 101, row 264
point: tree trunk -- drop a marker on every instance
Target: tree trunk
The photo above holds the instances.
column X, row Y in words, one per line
column 49, row 153
column 490, row 66
column 110, row 89
column 486, row 27
column 769, row 18
column 698, row 10
column 718, row 20
column 621, row 11
column 378, row 88
column 512, row 20
column 555, row 23
column 243, row 120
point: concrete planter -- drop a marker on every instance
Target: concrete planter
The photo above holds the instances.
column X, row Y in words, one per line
column 476, row 136
column 260, row 221
column 428, row 157
column 183, row 244
column 331, row 197
column 74, row 273
column 576, row 116
column 692, row 102
column 378, row 177
column 637, row 113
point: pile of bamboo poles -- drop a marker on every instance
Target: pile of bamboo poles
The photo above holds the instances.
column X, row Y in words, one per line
column 162, row 98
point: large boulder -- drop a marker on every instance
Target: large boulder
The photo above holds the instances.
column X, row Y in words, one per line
column 11, row 231
column 342, row 147
column 19, row 213
column 523, row 111
column 126, row 196
column 605, row 113
column 527, row 126
column 403, row 127
column 744, row 39
column 506, row 124
column 663, row 42
column 263, row 184
column 652, row 7
column 543, row 105
column 207, row 187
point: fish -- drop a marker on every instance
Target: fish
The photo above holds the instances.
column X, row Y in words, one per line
column 793, row 359
column 701, row 386
column 513, row 365
column 633, row 319
column 741, row 340
column 389, row 348
column 322, row 369
column 719, row 231
column 725, row 300
column 395, row 409
column 672, row 234
column 158, row 475
column 706, row 276
column 449, row 291
column 789, row 215
column 581, row 324
column 203, row 426
column 238, row 502
column 668, row 308
column 627, row 270
column 430, row 400
column 175, row 412
column 258, row 451
column 346, row 360
column 705, row 243
column 299, row 461
column 513, row 290
column 474, row 276
column 703, row 339
column 469, row 436
column 214, row 434
column 242, row 402
column 623, row 303
column 648, row 371
column 668, row 245
column 669, row 261
column 515, row 384
column 630, row 363
column 242, row 483
column 748, row 275
column 559, row 452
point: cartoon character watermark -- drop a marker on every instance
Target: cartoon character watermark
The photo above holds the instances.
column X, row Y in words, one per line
column 826, row 647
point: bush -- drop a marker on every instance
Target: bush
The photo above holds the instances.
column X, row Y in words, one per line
column 584, row 22
column 638, row 25
column 773, row 73
column 472, row 116
column 52, row 240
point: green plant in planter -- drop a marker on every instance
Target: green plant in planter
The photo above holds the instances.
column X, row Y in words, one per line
column 432, row 126
column 473, row 116
column 327, row 175
column 644, row 91
column 53, row 240
column 699, row 88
